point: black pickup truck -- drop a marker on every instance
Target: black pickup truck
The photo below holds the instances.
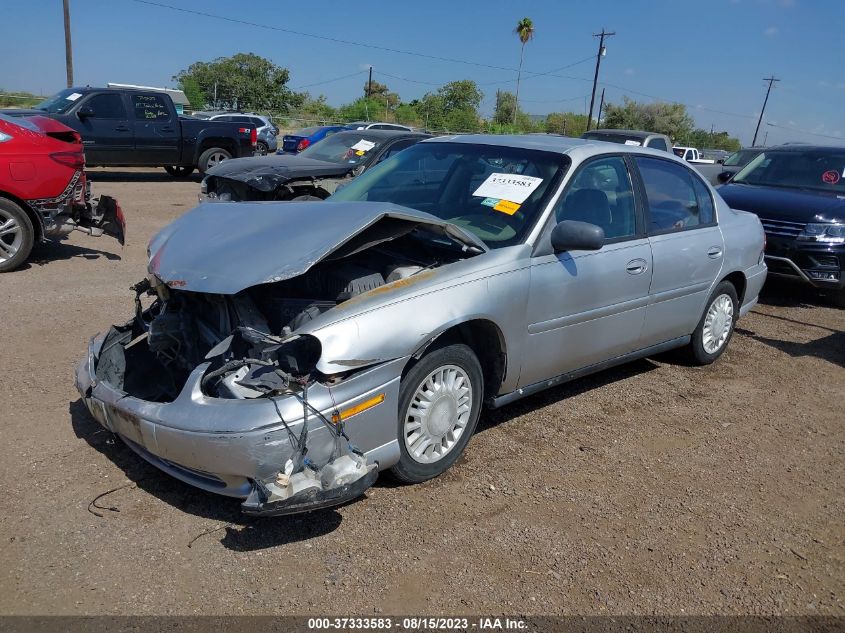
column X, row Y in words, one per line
column 122, row 127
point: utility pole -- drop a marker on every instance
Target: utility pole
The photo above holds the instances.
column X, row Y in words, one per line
column 601, row 107
column 370, row 83
column 771, row 80
column 68, row 46
column 602, row 52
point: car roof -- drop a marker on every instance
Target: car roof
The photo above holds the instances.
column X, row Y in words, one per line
column 801, row 147
column 631, row 133
column 385, row 134
column 578, row 148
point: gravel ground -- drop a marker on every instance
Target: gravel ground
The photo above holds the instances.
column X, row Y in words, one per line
column 655, row 488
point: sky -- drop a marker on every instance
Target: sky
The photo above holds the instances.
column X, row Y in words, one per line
column 710, row 55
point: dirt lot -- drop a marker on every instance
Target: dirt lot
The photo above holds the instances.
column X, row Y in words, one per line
column 653, row 488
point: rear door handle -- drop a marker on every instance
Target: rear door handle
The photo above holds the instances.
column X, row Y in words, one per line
column 636, row 266
column 121, row 128
column 715, row 252
column 167, row 129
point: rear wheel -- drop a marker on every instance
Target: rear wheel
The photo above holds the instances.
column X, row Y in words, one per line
column 716, row 327
column 261, row 148
column 17, row 235
column 178, row 172
column 211, row 158
column 439, row 405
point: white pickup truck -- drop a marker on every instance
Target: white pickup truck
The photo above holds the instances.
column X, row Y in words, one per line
column 691, row 155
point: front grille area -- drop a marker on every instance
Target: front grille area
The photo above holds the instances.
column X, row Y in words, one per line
column 781, row 227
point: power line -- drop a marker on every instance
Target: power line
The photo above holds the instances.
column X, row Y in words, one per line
column 325, row 38
column 328, row 81
column 795, row 129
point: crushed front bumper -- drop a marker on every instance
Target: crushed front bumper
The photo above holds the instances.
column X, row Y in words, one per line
column 227, row 445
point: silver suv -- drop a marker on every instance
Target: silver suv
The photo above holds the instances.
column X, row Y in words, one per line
column 264, row 127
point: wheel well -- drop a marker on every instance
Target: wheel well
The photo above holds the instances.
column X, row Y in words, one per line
column 738, row 281
column 33, row 216
column 226, row 144
column 485, row 339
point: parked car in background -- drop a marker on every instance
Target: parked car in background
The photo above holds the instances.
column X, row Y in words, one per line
column 312, row 174
column 43, row 190
column 266, row 131
column 306, row 137
column 463, row 270
column 798, row 192
column 737, row 161
column 377, row 125
column 123, row 127
column 631, row 137
column 691, row 155
column 716, row 155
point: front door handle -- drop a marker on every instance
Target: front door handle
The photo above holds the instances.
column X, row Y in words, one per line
column 636, row 266
column 715, row 252
column 167, row 129
column 121, row 128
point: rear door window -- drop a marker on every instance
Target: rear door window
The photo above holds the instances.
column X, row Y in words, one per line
column 150, row 108
column 676, row 199
column 658, row 143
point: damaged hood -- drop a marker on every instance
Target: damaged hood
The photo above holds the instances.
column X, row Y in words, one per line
column 266, row 173
column 225, row 247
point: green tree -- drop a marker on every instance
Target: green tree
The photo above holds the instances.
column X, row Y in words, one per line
column 453, row 107
column 566, row 123
column 363, row 109
column 193, row 92
column 671, row 119
column 505, row 111
column 381, row 91
column 317, row 110
column 710, row 140
column 525, row 32
column 245, row 81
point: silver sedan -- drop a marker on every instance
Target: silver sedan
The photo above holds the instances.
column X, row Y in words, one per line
column 285, row 353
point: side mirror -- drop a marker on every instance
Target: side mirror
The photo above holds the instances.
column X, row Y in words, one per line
column 84, row 112
column 724, row 177
column 571, row 235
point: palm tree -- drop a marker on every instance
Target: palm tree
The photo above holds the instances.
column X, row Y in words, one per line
column 525, row 32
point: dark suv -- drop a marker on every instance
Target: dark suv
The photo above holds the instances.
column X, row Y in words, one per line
column 798, row 192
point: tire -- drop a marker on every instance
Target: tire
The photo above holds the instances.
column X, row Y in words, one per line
column 261, row 148
column 211, row 157
column 716, row 327
column 179, row 172
column 456, row 412
column 17, row 235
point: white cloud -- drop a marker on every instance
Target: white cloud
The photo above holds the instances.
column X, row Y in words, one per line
column 771, row 31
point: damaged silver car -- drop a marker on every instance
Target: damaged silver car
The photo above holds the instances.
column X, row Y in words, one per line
column 285, row 354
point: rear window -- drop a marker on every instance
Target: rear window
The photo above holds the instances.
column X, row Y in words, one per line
column 29, row 125
column 622, row 139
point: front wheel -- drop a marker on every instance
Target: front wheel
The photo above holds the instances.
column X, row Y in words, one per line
column 211, row 158
column 17, row 235
column 716, row 327
column 439, row 405
column 178, row 172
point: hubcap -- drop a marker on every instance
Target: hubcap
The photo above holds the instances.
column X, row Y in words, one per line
column 11, row 236
column 438, row 414
column 717, row 324
column 215, row 159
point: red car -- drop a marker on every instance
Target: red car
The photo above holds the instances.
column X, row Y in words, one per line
column 43, row 189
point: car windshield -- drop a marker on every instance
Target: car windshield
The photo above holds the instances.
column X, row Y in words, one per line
column 821, row 169
column 497, row 193
column 740, row 158
column 306, row 131
column 613, row 138
column 59, row 102
column 349, row 149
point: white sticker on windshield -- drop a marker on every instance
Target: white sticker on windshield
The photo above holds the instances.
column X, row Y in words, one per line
column 512, row 187
column 73, row 96
column 363, row 145
column 629, row 142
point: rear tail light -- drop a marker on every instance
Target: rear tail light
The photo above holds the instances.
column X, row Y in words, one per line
column 76, row 160
column 253, row 134
column 302, row 144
